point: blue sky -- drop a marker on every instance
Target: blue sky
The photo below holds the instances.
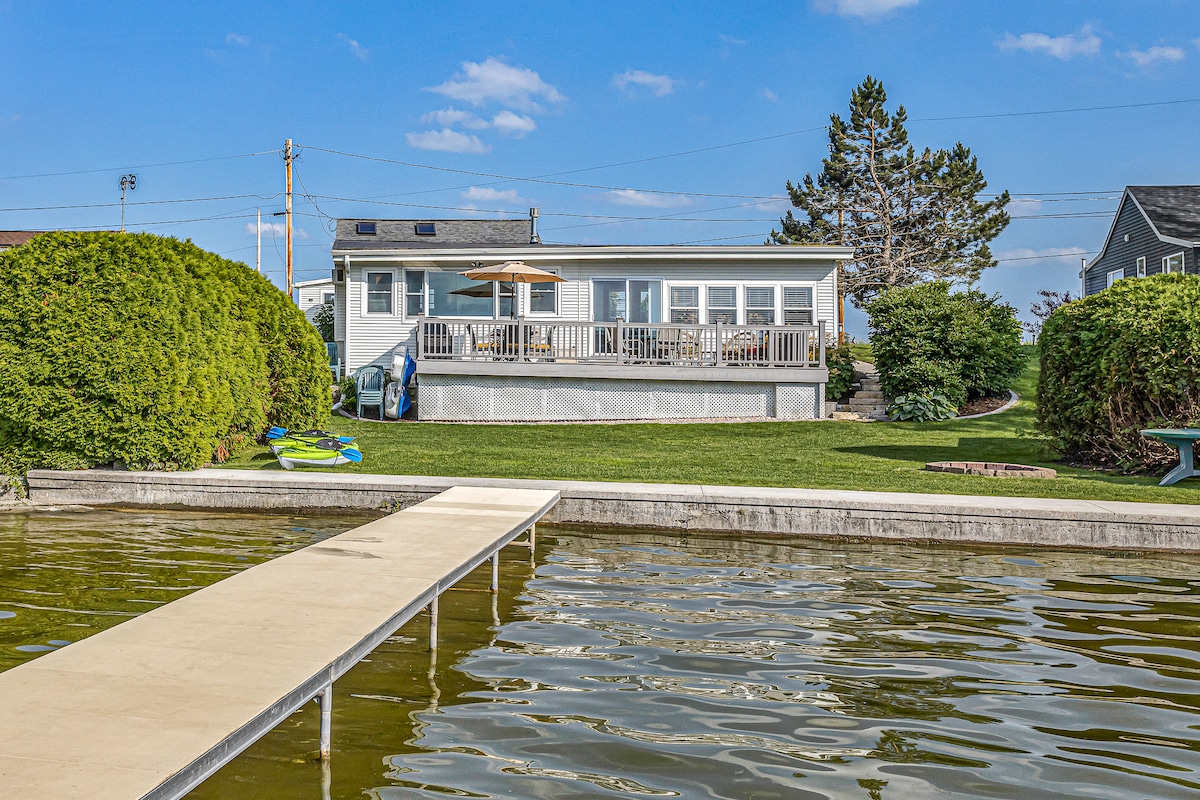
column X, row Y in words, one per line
column 567, row 90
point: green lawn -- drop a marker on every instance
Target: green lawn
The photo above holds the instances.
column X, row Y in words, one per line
column 818, row 455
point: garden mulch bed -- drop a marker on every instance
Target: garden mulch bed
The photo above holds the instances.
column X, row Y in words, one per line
column 982, row 405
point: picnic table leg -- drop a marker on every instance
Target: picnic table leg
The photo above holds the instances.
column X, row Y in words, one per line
column 1186, row 468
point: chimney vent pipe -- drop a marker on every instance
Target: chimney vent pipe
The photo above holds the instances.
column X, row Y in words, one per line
column 533, row 234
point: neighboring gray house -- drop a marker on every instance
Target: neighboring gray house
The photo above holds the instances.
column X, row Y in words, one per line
column 631, row 332
column 11, row 239
column 1156, row 229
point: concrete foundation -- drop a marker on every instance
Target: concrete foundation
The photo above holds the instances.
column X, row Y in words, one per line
column 727, row 509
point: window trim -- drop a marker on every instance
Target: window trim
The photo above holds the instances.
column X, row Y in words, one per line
column 709, row 307
column 527, row 298
column 776, row 299
column 405, row 293
column 1110, row 280
column 1141, row 266
column 672, row 308
column 366, row 293
column 1166, row 259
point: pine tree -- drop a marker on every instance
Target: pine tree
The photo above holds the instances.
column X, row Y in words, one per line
column 909, row 216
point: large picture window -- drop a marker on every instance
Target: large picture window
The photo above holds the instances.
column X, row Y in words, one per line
column 379, row 293
column 630, row 300
column 760, row 305
column 452, row 295
column 685, row 305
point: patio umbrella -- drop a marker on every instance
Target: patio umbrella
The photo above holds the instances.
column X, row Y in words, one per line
column 512, row 272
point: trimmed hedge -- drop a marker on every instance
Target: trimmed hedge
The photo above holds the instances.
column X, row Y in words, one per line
column 928, row 340
column 146, row 351
column 1119, row 361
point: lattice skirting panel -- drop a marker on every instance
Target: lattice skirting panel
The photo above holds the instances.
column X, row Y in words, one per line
column 525, row 399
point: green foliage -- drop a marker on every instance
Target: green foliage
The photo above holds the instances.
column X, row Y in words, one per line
column 1119, row 361
column 909, row 216
column 349, row 392
column 921, row 408
column 323, row 319
column 928, row 340
column 840, row 361
column 146, row 351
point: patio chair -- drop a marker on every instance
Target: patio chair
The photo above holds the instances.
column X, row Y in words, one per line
column 369, row 386
column 335, row 360
column 677, row 345
column 740, row 348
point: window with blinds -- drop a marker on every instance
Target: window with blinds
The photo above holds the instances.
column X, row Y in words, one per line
column 798, row 305
column 760, row 305
column 379, row 293
column 685, row 305
column 722, row 304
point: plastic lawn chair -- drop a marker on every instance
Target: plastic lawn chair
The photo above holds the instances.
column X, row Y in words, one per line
column 368, row 384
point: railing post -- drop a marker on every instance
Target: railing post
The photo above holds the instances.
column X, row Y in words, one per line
column 821, row 336
column 720, row 351
column 619, row 344
column 420, row 333
column 520, row 338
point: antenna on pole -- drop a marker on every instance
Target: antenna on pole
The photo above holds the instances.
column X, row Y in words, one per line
column 258, row 240
column 287, row 161
column 128, row 182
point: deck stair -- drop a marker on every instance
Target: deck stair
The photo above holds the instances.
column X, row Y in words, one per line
column 867, row 402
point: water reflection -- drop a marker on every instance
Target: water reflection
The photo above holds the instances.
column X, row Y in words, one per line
column 635, row 664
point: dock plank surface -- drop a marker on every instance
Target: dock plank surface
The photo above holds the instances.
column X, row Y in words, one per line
column 149, row 708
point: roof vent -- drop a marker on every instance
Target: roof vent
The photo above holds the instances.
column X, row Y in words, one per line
column 426, row 229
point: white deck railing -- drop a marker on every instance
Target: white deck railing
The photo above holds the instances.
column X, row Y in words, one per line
column 718, row 344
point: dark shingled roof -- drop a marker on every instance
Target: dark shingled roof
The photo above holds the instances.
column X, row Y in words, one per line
column 13, row 238
column 1173, row 210
column 401, row 234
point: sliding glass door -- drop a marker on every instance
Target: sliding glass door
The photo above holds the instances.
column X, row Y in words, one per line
column 637, row 301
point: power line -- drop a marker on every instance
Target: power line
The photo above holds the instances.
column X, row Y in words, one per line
column 136, row 166
column 144, row 202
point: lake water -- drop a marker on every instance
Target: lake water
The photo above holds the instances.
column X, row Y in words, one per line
column 623, row 664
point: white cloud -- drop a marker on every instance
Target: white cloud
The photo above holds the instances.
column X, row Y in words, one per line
column 1149, row 57
column 862, row 8
column 276, row 229
column 769, row 95
column 453, row 116
column 632, row 197
column 732, row 40
column 447, row 141
column 237, row 38
column 1023, row 206
column 356, row 48
column 1064, row 255
column 511, row 124
column 493, row 80
column 1084, row 43
column 488, row 195
column 660, row 84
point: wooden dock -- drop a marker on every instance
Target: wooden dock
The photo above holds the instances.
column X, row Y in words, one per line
column 153, row 706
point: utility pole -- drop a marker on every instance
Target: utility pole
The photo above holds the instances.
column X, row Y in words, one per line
column 258, row 240
column 841, row 321
column 287, row 161
column 128, row 182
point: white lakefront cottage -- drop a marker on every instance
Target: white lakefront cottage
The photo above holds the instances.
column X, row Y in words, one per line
column 632, row 332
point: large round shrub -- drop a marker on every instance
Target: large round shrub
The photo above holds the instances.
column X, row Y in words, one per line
column 928, row 340
column 1119, row 361
column 147, row 351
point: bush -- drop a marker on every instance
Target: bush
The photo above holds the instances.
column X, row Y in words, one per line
column 840, row 362
column 921, row 408
column 928, row 340
column 323, row 319
column 1119, row 361
column 146, row 351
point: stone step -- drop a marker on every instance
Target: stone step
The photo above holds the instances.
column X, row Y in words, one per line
column 870, row 385
column 869, row 394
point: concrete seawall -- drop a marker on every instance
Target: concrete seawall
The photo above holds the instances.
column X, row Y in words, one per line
column 728, row 509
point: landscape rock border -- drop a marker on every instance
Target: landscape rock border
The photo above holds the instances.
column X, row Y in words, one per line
column 991, row 469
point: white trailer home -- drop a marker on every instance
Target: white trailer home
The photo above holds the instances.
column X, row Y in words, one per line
column 632, row 332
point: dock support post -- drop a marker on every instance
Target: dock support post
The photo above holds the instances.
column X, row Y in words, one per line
column 532, row 538
column 433, row 614
column 495, row 572
column 325, row 698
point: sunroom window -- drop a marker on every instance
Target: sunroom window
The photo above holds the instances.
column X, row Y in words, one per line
column 797, row 305
column 685, row 305
column 760, row 305
column 722, row 304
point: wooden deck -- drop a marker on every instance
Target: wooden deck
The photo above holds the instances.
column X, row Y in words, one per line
column 151, row 707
